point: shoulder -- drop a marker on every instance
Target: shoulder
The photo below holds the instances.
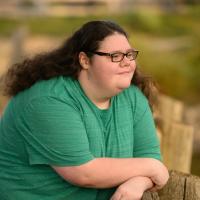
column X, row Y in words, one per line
column 138, row 102
column 55, row 87
column 135, row 95
column 46, row 92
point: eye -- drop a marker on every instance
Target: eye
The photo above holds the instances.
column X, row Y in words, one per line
column 130, row 54
column 116, row 55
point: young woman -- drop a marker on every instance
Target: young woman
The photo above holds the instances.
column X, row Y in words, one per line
column 79, row 124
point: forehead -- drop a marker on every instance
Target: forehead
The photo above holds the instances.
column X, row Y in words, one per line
column 115, row 42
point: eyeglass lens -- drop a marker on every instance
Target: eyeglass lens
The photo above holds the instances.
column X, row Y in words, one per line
column 119, row 56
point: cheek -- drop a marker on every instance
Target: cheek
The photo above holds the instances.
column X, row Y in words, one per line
column 133, row 65
column 106, row 76
column 104, row 70
column 110, row 74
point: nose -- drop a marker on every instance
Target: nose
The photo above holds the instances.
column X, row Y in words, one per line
column 125, row 62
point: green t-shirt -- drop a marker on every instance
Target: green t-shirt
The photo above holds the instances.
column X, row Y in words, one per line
column 54, row 123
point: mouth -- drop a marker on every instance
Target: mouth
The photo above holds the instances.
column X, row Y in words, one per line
column 125, row 72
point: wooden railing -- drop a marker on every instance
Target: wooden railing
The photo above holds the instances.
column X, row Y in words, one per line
column 181, row 186
column 176, row 136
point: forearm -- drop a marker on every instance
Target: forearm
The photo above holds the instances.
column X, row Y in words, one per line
column 133, row 188
column 108, row 172
column 146, row 182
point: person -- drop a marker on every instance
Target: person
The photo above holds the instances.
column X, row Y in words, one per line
column 78, row 125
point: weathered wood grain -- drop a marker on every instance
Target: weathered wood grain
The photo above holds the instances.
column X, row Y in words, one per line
column 192, row 191
column 176, row 146
column 181, row 186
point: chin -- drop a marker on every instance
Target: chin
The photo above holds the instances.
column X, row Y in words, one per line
column 120, row 88
column 125, row 85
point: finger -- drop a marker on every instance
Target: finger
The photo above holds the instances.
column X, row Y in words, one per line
column 155, row 188
column 122, row 198
column 116, row 196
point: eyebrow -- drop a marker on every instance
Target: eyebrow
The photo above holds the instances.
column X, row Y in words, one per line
column 119, row 51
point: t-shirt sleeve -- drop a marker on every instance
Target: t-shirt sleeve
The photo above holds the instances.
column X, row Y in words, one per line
column 54, row 133
column 146, row 143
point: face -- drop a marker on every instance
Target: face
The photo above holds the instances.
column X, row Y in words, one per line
column 107, row 76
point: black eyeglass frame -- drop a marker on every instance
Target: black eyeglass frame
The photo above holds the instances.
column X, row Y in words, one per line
column 111, row 55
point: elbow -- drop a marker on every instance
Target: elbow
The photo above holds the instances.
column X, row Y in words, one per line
column 82, row 181
column 87, row 184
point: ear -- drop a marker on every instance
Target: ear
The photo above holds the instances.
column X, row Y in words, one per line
column 84, row 60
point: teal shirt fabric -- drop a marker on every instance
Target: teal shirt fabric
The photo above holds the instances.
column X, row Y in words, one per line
column 53, row 123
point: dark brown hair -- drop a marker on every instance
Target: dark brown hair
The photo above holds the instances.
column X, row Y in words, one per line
column 64, row 61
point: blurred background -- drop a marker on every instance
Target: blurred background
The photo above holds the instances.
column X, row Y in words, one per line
column 166, row 32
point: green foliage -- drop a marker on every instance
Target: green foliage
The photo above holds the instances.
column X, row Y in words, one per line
column 8, row 26
column 169, row 43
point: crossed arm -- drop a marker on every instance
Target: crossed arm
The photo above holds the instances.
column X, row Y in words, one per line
column 99, row 172
column 110, row 172
column 127, row 173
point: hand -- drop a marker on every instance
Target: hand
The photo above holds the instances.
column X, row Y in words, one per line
column 132, row 189
column 160, row 175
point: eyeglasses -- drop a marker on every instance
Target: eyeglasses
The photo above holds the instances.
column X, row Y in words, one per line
column 119, row 56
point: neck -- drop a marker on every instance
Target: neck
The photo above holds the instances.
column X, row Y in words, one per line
column 96, row 95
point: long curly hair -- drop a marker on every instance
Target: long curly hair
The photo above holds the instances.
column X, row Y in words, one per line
column 64, row 61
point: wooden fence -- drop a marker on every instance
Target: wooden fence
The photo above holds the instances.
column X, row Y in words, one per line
column 181, row 186
column 175, row 135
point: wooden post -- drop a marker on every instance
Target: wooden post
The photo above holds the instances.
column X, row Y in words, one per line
column 176, row 138
column 18, row 45
column 180, row 186
column 176, row 146
column 170, row 109
column 192, row 188
column 174, row 189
